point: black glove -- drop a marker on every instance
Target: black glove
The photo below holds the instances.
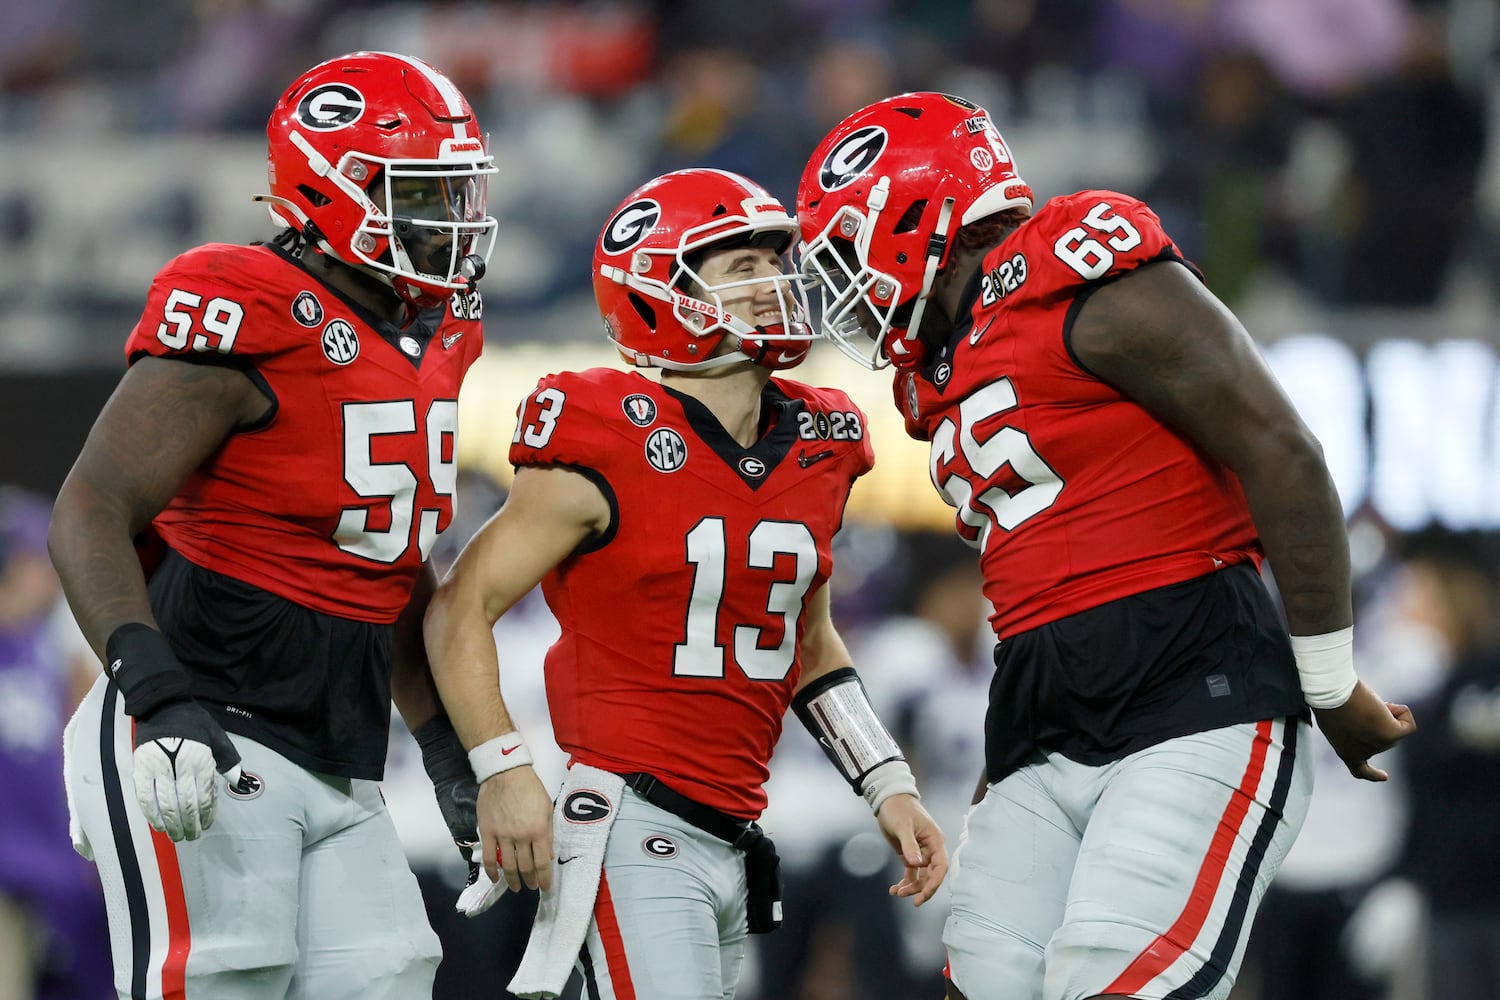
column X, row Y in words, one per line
column 178, row 745
column 453, row 783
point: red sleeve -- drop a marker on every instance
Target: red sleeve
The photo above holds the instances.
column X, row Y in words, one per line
column 1094, row 236
column 560, row 424
column 203, row 306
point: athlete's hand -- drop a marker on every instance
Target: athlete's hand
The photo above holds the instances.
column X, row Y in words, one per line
column 915, row 837
column 1362, row 727
column 457, row 794
column 515, row 829
column 179, row 747
column 179, row 751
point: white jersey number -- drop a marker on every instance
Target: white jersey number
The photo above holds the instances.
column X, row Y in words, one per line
column 701, row 655
column 1086, row 255
column 983, row 503
column 539, row 433
column 220, row 320
column 394, row 483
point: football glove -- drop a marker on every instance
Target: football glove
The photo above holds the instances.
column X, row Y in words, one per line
column 179, row 747
column 457, row 793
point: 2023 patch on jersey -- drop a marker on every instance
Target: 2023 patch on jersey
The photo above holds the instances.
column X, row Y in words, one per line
column 1074, row 493
column 335, row 500
column 679, row 652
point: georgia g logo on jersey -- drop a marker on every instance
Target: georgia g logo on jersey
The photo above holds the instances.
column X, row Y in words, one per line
column 854, row 154
column 331, row 106
column 630, row 226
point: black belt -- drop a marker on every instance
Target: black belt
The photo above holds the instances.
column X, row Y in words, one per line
column 762, row 866
column 739, row 833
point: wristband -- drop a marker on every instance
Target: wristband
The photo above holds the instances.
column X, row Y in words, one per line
column 499, row 754
column 141, row 661
column 894, row 777
column 1325, row 664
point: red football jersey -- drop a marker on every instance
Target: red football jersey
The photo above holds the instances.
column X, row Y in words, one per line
column 336, row 499
column 1075, row 494
column 680, row 638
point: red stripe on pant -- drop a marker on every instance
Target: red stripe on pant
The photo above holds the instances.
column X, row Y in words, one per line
column 614, row 945
column 179, row 934
column 1168, row 947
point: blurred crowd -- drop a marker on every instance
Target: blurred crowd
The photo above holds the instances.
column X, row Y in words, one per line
column 1332, row 156
column 1336, row 154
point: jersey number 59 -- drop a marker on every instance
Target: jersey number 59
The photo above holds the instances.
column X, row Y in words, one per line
column 395, row 483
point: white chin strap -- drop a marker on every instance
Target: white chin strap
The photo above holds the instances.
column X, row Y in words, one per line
column 936, row 245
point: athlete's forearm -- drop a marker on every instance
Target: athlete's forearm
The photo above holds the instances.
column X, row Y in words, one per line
column 413, row 689
column 465, row 667
column 1298, row 516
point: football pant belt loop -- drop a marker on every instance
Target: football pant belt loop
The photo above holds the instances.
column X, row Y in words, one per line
column 762, row 863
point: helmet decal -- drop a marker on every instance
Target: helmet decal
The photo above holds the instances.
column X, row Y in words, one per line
column 852, row 157
column 331, row 106
column 982, row 158
column 630, row 226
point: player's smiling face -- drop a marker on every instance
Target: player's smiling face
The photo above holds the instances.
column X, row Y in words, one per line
column 748, row 281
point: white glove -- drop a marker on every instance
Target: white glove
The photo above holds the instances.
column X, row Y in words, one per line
column 176, row 784
column 1378, row 936
column 480, row 894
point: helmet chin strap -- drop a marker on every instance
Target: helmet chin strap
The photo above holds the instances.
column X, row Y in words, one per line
column 937, row 244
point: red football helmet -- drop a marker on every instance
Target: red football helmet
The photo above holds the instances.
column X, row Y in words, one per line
column 376, row 158
column 879, row 203
column 659, row 310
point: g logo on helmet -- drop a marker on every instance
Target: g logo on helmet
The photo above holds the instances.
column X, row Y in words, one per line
column 630, row 226
column 331, row 106
column 854, row 154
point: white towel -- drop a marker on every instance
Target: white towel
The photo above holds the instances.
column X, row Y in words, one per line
column 586, row 808
column 75, row 825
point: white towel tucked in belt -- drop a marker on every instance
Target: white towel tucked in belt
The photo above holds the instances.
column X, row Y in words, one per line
column 75, row 825
column 586, row 809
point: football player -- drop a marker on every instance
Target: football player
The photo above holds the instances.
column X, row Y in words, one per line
column 1123, row 460
column 280, row 449
column 681, row 531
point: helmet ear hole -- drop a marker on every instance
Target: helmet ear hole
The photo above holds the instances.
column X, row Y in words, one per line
column 317, row 198
column 644, row 310
column 912, row 217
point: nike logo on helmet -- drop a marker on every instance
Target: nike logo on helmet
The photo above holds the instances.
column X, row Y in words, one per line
column 805, row 459
column 449, row 339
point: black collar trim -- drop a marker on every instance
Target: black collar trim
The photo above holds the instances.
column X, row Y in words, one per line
column 766, row 453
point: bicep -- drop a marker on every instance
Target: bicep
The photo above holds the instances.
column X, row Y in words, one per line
column 550, row 512
column 1162, row 339
column 164, row 419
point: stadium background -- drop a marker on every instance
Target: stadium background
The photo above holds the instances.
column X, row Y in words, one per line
column 1331, row 164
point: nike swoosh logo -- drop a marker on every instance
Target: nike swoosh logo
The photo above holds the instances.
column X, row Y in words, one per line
column 506, row 753
column 449, row 339
column 974, row 337
column 563, row 861
column 805, row 459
